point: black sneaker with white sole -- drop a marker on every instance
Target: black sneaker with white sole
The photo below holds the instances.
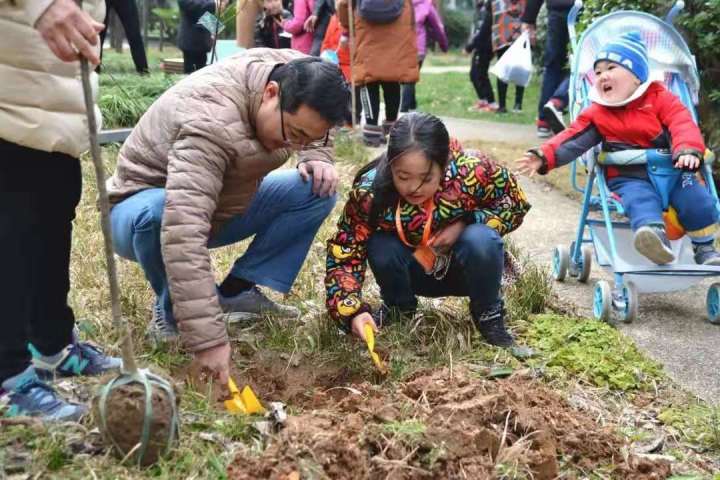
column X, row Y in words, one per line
column 554, row 117
column 706, row 254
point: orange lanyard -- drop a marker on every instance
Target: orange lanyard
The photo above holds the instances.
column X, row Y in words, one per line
column 429, row 208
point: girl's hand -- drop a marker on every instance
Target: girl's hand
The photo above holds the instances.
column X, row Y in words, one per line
column 689, row 162
column 309, row 25
column 444, row 240
column 358, row 325
column 529, row 164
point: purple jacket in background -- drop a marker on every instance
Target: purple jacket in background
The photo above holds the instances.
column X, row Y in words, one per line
column 426, row 17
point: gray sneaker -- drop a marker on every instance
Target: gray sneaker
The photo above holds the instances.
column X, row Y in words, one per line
column 652, row 242
column 252, row 304
column 162, row 329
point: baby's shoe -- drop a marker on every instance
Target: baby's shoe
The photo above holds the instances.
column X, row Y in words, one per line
column 652, row 242
column 706, row 254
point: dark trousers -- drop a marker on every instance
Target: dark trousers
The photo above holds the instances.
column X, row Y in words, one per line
column 502, row 88
column 391, row 95
column 193, row 61
column 475, row 272
column 127, row 11
column 407, row 94
column 479, row 77
column 319, row 34
column 556, row 43
column 562, row 92
column 38, row 195
column 694, row 205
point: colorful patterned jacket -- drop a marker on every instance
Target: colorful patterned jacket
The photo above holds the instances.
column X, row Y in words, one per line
column 474, row 189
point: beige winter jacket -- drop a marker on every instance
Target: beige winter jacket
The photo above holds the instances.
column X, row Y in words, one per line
column 198, row 142
column 41, row 97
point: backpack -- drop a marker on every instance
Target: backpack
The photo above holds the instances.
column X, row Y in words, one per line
column 380, row 11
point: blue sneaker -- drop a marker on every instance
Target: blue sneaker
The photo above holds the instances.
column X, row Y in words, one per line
column 29, row 396
column 78, row 358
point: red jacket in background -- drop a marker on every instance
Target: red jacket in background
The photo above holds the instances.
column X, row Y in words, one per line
column 657, row 119
column 332, row 42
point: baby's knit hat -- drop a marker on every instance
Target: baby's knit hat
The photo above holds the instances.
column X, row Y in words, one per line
column 628, row 51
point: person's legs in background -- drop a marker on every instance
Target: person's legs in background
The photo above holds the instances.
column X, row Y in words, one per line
column 555, row 59
column 553, row 108
column 481, row 81
column 391, row 96
column 408, row 101
column 194, row 60
column 502, row 87
column 372, row 132
column 519, row 93
column 128, row 14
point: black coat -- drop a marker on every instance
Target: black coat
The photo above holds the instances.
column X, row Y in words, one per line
column 191, row 36
column 533, row 8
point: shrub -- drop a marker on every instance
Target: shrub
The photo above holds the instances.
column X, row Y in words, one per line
column 457, row 26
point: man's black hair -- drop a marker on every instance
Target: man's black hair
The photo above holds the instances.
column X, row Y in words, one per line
column 313, row 82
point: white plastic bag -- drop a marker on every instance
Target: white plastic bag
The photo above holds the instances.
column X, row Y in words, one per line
column 515, row 66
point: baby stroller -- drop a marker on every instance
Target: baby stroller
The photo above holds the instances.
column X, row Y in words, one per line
column 611, row 240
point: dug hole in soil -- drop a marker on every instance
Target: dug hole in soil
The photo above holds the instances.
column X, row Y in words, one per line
column 459, row 425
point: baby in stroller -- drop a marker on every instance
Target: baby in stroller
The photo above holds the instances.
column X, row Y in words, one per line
column 629, row 111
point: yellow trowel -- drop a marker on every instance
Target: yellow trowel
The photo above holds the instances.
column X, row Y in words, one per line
column 245, row 402
column 370, row 339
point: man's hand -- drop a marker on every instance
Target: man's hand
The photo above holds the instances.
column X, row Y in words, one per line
column 529, row 164
column 324, row 176
column 530, row 28
column 213, row 362
column 309, row 25
column 358, row 325
column 444, row 240
column 69, row 31
column 689, row 162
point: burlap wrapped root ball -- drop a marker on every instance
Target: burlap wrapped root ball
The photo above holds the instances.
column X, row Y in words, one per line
column 125, row 415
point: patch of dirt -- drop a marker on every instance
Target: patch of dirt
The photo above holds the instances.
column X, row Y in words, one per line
column 441, row 424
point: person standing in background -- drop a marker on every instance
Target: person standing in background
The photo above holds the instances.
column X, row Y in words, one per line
column 301, row 39
column 555, row 55
column 506, row 28
column 480, row 45
column 127, row 12
column 195, row 40
column 427, row 23
column 268, row 28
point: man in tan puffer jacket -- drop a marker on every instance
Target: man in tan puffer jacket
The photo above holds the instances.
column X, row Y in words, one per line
column 43, row 131
column 198, row 172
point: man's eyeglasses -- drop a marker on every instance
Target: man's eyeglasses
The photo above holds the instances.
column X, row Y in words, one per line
column 304, row 144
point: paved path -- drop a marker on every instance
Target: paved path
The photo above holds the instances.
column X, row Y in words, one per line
column 672, row 328
column 449, row 68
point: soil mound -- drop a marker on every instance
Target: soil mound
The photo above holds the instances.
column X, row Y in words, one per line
column 441, row 424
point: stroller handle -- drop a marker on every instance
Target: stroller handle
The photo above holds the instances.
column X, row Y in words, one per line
column 572, row 20
column 674, row 11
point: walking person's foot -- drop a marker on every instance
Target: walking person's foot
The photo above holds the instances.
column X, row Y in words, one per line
column 26, row 395
column 652, row 243
column 554, row 116
column 543, row 129
column 252, row 304
column 78, row 358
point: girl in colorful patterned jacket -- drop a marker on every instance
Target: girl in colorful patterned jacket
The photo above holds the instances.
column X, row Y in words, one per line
column 429, row 219
column 631, row 112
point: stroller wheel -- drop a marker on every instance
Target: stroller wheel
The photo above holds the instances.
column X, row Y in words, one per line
column 581, row 271
column 630, row 296
column 602, row 301
column 560, row 262
column 713, row 303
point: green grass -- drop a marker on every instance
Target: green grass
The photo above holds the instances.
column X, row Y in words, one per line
column 451, row 94
column 454, row 57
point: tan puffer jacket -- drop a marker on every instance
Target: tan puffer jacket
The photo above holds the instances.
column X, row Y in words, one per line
column 383, row 52
column 198, row 142
column 41, row 97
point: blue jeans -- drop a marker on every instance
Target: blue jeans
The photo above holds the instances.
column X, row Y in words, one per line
column 284, row 216
column 562, row 92
column 694, row 205
column 475, row 272
column 556, row 43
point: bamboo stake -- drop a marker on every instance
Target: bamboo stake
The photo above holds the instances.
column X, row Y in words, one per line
column 351, row 22
column 119, row 322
